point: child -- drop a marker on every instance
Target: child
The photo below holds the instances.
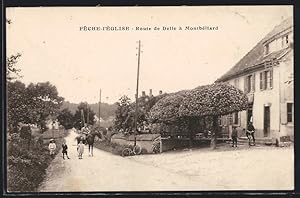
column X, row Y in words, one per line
column 52, row 147
column 80, row 149
column 234, row 136
column 64, row 150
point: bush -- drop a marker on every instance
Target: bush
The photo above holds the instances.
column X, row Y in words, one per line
column 26, row 169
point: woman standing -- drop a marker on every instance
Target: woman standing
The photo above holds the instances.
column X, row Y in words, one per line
column 80, row 149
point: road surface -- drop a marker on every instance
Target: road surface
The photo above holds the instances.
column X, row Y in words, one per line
column 196, row 170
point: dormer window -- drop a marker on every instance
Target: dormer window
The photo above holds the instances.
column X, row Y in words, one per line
column 267, row 49
column 285, row 41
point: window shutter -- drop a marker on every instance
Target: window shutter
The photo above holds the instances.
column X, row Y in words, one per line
column 239, row 119
column 245, row 85
column 261, row 80
column 283, row 113
column 271, row 78
column 253, row 82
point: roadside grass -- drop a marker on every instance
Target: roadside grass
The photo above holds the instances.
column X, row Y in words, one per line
column 26, row 168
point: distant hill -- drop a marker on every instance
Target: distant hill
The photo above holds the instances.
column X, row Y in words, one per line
column 107, row 110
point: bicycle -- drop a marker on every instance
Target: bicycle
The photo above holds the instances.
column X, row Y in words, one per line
column 131, row 150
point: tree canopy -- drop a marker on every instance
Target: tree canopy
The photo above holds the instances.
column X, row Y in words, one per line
column 209, row 100
column 88, row 115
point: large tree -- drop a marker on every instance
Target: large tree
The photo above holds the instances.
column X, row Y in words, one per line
column 88, row 115
column 204, row 101
column 213, row 100
column 43, row 101
column 17, row 109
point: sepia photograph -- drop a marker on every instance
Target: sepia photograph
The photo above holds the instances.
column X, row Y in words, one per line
column 157, row 98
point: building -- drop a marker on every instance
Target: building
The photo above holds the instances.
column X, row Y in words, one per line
column 265, row 74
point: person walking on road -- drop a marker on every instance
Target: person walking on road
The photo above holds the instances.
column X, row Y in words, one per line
column 234, row 136
column 250, row 131
column 52, row 148
column 80, row 149
column 65, row 150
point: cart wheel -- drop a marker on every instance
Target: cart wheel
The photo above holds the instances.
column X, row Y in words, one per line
column 126, row 152
column 137, row 150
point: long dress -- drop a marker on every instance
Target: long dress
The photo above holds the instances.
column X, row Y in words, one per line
column 80, row 149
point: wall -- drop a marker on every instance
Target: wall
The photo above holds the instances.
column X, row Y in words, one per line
column 286, row 94
column 145, row 144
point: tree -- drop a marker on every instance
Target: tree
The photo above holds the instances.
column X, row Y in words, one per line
column 66, row 118
column 123, row 114
column 17, row 109
column 43, row 101
column 209, row 100
column 11, row 67
column 88, row 115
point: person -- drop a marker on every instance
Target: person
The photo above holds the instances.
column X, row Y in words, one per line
column 85, row 130
column 52, row 148
column 250, row 131
column 234, row 136
column 80, row 149
column 65, row 150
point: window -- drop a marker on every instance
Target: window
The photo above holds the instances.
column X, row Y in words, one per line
column 236, row 118
column 285, row 41
column 267, row 49
column 250, row 83
column 290, row 112
column 266, row 80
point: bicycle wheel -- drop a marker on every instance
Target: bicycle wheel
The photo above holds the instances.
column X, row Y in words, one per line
column 126, row 152
column 137, row 150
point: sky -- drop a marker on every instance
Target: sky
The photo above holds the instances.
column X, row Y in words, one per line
column 79, row 63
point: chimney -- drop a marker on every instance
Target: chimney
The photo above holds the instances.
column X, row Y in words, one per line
column 143, row 93
column 150, row 92
column 160, row 92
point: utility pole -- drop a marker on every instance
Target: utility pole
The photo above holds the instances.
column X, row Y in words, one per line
column 99, row 107
column 82, row 117
column 137, row 93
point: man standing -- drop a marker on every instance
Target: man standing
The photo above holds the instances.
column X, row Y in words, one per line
column 234, row 136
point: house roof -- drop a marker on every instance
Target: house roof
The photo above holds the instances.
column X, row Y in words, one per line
column 255, row 57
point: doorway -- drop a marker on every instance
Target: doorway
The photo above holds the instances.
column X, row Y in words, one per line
column 266, row 121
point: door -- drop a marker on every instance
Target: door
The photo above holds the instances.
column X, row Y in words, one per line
column 266, row 121
column 249, row 115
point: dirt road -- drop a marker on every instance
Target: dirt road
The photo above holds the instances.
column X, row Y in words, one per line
column 191, row 170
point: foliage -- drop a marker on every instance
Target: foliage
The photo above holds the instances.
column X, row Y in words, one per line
column 88, row 115
column 213, row 100
column 66, row 118
column 43, row 101
column 185, row 109
column 17, row 108
column 209, row 100
column 34, row 160
column 32, row 104
column 107, row 110
column 125, row 113
column 11, row 67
